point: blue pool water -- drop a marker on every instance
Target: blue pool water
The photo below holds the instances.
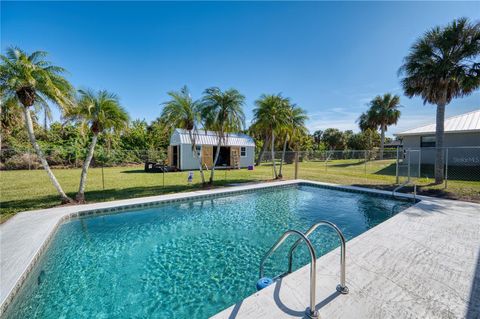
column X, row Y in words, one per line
column 184, row 260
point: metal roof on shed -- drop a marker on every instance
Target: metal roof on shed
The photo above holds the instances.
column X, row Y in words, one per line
column 468, row 122
column 202, row 137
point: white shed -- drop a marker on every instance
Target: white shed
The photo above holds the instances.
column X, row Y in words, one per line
column 237, row 150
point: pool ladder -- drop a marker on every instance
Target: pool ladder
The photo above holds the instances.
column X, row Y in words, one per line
column 311, row 312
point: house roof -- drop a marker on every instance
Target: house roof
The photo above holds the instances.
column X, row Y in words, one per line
column 468, row 122
column 181, row 136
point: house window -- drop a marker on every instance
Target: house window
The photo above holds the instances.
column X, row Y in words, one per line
column 198, row 149
column 243, row 151
column 427, row 141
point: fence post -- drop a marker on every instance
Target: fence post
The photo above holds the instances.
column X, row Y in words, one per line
column 408, row 169
column 398, row 162
column 419, row 163
column 366, row 156
column 326, row 160
column 103, row 178
column 446, row 168
column 296, row 165
column 273, row 172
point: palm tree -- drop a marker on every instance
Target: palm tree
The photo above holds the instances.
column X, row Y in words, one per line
column 31, row 80
column 271, row 113
column 10, row 116
column 317, row 137
column 382, row 113
column 294, row 128
column 223, row 113
column 365, row 122
column 443, row 65
column 185, row 113
column 101, row 112
column 259, row 132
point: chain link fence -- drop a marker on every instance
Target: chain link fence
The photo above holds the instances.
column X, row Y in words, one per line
column 116, row 174
column 461, row 171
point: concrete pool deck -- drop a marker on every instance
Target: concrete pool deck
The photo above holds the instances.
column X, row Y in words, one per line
column 422, row 263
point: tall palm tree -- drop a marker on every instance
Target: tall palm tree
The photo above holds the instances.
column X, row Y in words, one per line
column 30, row 80
column 222, row 113
column 185, row 113
column 100, row 112
column 271, row 112
column 294, row 128
column 443, row 65
column 382, row 113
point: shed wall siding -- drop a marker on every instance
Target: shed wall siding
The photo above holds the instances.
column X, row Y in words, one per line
column 188, row 162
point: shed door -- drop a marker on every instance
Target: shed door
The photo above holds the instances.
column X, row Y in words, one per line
column 235, row 157
column 207, row 155
column 174, row 155
column 170, row 155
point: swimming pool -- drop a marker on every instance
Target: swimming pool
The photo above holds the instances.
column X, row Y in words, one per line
column 187, row 259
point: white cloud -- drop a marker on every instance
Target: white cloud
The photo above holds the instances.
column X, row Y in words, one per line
column 337, row 117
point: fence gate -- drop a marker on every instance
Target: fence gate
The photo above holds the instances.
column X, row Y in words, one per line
column 408, row 165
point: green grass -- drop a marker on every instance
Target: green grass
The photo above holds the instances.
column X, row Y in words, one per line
column 27, row 190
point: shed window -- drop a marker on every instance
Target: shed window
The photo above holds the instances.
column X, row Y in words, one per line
column 427, row 141
column 198, row 148
column 243, row 151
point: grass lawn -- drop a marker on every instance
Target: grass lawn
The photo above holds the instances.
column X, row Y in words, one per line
column 27, row 190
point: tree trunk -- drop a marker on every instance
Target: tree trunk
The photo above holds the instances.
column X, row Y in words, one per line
column 262, row 151
column 1, row 132
column 83, row 178
column 280, row 175
column 217, row 153
column 273, row 155
column 382, row 140
column 33, row 140
column 194, row 151
column 200, row 167
column 439, row 133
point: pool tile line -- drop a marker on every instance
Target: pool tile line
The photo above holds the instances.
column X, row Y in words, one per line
column 159, row 203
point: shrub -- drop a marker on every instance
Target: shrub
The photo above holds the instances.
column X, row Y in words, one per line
column 23, row 161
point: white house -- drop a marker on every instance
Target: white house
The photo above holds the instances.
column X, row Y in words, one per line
column 462, row 138
column 237, row 150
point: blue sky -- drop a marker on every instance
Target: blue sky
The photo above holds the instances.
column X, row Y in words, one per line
column 331, row 58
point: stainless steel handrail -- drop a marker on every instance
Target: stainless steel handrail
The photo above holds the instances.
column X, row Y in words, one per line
column 311, row 312
column 342, row 287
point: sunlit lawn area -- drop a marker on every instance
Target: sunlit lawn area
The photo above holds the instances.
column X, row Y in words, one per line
column 27, row 190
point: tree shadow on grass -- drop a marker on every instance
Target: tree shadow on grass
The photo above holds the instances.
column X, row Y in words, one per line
column 9, row 208
column 390, row 170
column 135, row 171
column 361, row 162
column 432, row 192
